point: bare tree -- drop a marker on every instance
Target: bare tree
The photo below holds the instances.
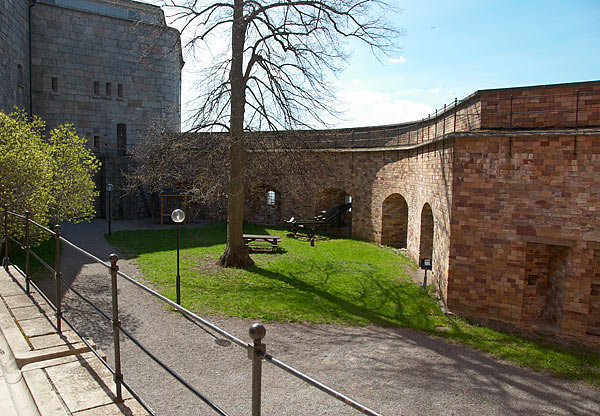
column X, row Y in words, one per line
column 274, row 74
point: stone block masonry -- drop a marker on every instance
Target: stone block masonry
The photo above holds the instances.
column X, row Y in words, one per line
column 14, row 65
column 111, row 71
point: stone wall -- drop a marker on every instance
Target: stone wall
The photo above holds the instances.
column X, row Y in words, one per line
column 524, row 228
column 109, row 76
column 14, row 64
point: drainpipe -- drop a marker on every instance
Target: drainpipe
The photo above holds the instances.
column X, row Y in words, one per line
column 31, row 4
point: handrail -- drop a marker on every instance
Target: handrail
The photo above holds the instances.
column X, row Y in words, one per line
column 256, row 351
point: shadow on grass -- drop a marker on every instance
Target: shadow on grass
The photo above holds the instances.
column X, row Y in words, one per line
column 137, row 242
column 405, row 312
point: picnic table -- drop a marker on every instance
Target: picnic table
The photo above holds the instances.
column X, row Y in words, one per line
column 256, row 241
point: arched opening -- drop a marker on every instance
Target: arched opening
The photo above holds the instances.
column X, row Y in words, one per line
column 331, row 198
column 394, row 221
column 426, row 244
column 263, row 205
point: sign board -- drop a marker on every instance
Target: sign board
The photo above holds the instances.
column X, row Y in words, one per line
column 426, row 264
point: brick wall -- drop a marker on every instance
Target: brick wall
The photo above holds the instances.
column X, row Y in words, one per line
column 524, row 211
column 552, row 106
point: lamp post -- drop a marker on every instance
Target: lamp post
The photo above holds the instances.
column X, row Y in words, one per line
column 178, row 216
column 109, row 188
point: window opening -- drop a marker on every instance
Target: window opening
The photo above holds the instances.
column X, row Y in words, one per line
column 108, row 89
column 54, row 84
column 271, row 198
column 97, row 142
column 20, row 82
column 96, row 88
column 120, row 90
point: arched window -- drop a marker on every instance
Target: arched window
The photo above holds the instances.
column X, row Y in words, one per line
column 271, row 198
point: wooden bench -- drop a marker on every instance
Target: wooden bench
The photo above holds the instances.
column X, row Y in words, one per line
column 255, row 241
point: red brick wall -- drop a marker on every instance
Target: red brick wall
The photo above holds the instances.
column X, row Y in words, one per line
column 550, row 106
column 509, row 193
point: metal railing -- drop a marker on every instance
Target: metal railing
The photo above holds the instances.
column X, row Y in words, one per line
column 256, row 350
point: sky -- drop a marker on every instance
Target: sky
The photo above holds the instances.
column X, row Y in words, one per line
column 452, row 48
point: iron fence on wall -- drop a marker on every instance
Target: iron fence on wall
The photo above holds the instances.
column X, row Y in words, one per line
column 501, row 111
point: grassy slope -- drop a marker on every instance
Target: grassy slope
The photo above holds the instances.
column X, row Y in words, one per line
column 339, row 281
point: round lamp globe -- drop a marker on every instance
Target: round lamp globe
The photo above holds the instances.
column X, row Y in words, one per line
column 178, row 216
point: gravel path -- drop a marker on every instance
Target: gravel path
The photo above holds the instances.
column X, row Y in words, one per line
column 395, row 371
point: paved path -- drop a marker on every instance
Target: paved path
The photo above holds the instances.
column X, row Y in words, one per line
column 392, row 370
column 46, row 373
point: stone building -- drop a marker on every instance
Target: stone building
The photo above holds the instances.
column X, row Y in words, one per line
column 501, row 190
column 112, row 68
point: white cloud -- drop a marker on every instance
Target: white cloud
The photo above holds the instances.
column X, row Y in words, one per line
column 398, row 60
column 364, row 107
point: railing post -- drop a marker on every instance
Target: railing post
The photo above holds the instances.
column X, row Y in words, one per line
column 57, row 278
column 257, row 333
column 455, row 104
column 27, row 289
column 5, row 259
column 444, row 124
column 436, row 123
column 118, row 376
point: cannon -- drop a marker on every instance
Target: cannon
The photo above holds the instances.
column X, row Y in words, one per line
column 331, row 217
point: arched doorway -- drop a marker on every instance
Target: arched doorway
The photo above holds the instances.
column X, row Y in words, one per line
column 394, row 221
column 426, row 243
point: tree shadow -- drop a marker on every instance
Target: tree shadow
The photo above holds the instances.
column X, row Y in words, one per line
column 362, row 305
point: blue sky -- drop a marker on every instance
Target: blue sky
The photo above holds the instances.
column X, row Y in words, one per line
column 453, row 48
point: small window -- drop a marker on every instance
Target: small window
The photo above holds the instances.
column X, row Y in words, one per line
column 97, row 142
column 20, row 82
column 54, row 84
column 271, row 198
column 96, row 88
column 120, row 90
column 108, row 89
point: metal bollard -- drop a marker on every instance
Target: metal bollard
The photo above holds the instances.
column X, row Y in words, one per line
column 57, row 278
column 27, row 277
column 5, row 260
column 118, row 376
column 257, row 333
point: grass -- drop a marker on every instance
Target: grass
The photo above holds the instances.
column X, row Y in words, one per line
column 46, row 250
column 340, row 281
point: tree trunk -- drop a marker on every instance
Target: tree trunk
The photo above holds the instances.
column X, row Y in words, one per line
column 236, row 253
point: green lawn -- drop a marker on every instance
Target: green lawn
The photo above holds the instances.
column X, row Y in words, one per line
column 339, row 281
